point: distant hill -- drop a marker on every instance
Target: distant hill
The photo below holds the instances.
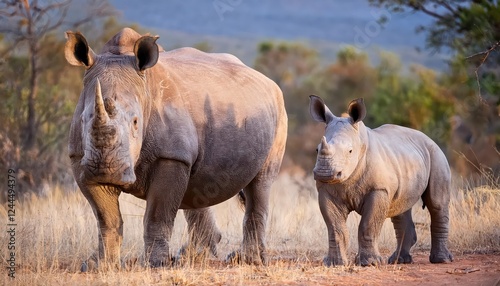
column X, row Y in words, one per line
column 237, row 26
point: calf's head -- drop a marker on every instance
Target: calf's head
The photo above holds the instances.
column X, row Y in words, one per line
column 342, row 146
column 114, row 97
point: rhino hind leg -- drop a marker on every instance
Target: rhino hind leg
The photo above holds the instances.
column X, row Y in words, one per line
column 406, row 238
column 437, row 199
column 253, row 247
column 204, row 235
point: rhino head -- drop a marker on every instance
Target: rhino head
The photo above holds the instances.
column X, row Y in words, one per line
column 343, row 145
column 115, row 100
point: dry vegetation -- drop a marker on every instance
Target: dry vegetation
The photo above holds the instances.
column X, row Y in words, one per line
column 55, row 233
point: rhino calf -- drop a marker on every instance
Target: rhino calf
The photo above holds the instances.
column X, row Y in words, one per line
column 378, row 173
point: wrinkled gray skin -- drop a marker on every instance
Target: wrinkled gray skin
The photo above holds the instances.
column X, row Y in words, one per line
column 182, row 130
column 378, row 173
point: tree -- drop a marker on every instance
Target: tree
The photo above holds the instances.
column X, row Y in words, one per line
column 469, row 28
column 350, row 77
column 38, row 89
column 29, row 23
column 460, row 25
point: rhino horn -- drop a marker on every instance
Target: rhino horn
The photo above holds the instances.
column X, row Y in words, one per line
column 109, row 105
column 324, row 146
column 101, row 116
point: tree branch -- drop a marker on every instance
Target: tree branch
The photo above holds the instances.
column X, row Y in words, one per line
column 429, row 12
column 485, row 55
column 448, row 7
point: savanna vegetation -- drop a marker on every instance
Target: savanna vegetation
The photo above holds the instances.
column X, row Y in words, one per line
column 459, row 108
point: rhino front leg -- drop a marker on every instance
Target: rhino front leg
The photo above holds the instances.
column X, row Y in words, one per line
column 335, row 216
column 164, row 195
column 104, row 203
column 373, row 215
column 203, row 231
column 406, row 237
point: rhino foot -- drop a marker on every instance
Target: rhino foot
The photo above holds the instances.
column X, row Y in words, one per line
column 368, row 259
column 333, row 261
column 441, row 257
column 159, row 263
column 187, row 253
column 400, row 258
column 92, row 264
column 236, row 257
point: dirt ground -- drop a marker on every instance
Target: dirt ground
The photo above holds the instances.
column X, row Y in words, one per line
column 467, row 269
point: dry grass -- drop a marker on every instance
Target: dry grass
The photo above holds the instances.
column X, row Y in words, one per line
column 55, row 233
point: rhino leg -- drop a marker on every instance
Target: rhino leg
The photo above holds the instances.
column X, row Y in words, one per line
column 104, row 203
column 203, row 231
column 373, row 215
column 437, row 199
column 335, row 217
column 253, row 247
column 406, row 237
column 164, row 195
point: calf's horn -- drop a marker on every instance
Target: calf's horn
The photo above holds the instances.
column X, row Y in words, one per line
column 324, row 145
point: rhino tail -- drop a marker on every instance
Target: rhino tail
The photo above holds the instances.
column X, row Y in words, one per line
column 242, row 199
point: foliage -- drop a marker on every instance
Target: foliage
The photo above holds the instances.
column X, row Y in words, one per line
column 289, row 65
column 419, row 98
column 40, row 91
column 464, row 26
column 471, row 30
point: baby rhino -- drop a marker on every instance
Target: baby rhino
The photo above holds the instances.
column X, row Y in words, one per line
column 378, row 173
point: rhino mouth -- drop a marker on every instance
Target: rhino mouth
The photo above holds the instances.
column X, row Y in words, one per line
column 327, row 179
column 121, row 175
column 327, row 175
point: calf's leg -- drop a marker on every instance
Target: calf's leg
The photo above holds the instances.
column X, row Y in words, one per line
column 335, row 216
column 406, row 237
column 374, row 213
column 437, row 199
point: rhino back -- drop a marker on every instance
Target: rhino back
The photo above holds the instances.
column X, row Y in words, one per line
column 231, row 118
column 399, row 160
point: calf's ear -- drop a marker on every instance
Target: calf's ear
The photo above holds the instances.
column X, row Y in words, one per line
column 77, row 50
column 146, row 52
column 357, row 110
column 318, row 110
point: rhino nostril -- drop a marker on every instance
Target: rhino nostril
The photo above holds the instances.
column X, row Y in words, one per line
column 339, row 174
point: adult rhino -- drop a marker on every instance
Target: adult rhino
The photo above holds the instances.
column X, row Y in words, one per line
column 182, row 130
column 378, row 173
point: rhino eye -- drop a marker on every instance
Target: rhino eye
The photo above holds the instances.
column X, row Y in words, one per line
column 316, row 150
column 135, row 121
column 350, row 151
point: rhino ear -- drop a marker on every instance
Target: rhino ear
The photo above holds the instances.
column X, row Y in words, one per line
column 357, row 110
column 146, row 52
column 77, row 50
column 318, row 110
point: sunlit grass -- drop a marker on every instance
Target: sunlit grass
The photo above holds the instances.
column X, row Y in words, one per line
column 55, row 233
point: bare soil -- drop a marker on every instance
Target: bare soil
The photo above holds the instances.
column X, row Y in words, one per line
column 466, row 269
